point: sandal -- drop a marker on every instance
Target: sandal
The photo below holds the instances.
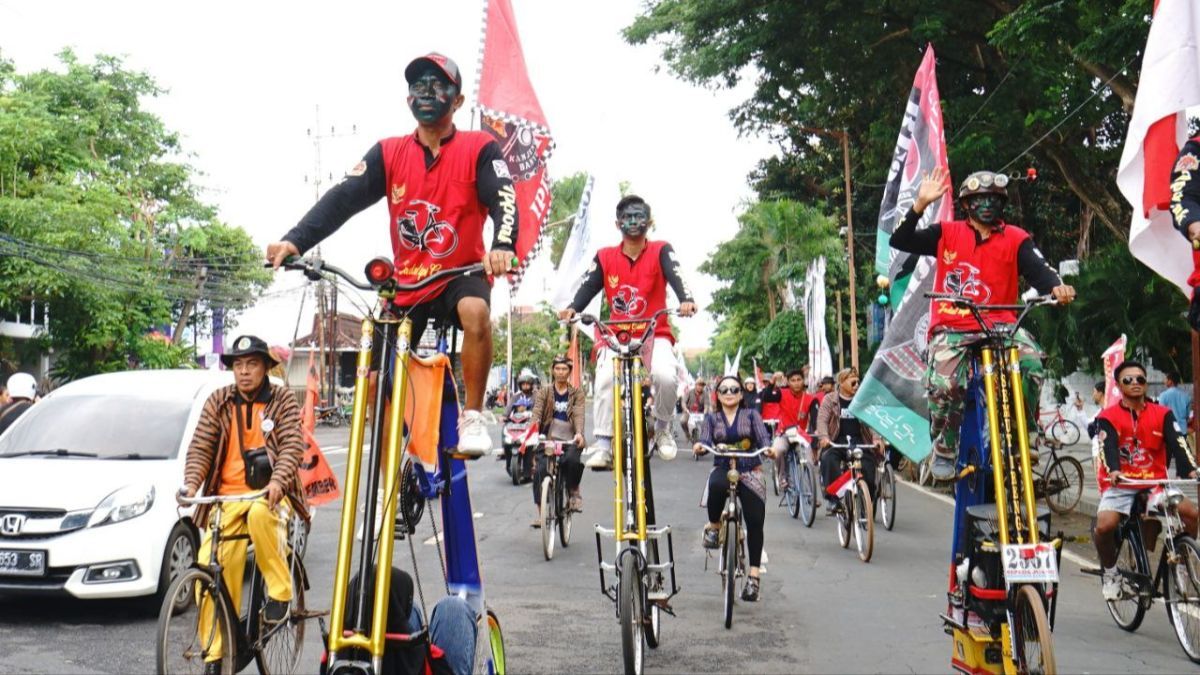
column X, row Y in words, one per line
column 750, row 590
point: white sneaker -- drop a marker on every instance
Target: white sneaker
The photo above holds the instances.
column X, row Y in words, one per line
column 1111, row 586
column 473, row 438
column 601, row 460
column 664, row 440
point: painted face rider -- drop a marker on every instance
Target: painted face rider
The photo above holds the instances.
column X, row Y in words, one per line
column 634, row 276
column 441, row 185
column 982, row 258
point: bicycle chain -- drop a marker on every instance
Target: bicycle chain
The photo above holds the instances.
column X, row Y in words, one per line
column 437, row 544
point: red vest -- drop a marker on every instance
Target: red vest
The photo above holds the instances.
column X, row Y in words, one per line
column 436, row 219
column 636, row 289
column 984, row 271
column 1142, row 444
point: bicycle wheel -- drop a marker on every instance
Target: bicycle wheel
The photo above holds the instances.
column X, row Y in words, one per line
column 279, row 646
column 844, row 525
column 769, row 474
column 632, row 622
column 1129, row 611
column 547, row 506
column 1182, row 595
column 514, row 467
column 729, row 582
column 792, row 493
column 1065, row 432
column 180, row 646
column 564, row 514
column 887, row 498
column 864, row 521
column 1035, row 644
column 1063, row 484
column 496, row 665
column 808, row 494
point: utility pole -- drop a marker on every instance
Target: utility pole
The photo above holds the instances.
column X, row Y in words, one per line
column 841, row 344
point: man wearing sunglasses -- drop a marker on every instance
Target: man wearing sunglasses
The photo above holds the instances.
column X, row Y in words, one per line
column 1138, row 439
column 441, row 184
column 836, row 424
column 634, row 276
column 982, row 259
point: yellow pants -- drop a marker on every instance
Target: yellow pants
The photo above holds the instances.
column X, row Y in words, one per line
column 268, row 531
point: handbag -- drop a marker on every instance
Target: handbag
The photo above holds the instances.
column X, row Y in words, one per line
column 256, row 460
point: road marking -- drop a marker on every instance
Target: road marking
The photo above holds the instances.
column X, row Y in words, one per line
column 434, row 540
column 336, row 451
column 1069, row 555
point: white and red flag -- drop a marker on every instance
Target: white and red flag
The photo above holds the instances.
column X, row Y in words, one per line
column 1111, row 358
column 509, row 111
column 1169, row 85
column 839, row 486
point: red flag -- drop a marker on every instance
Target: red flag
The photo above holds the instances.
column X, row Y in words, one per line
column 510, row 112
column 573, row 354
column 1169, row 85
column 320, row 483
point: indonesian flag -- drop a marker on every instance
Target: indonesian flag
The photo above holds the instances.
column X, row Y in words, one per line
column 1170, row 83
column 510, row 112
column 320, row 483
column 839, row 486
column 1111, row 358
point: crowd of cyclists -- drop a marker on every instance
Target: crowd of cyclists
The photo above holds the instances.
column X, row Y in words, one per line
column 440, row 176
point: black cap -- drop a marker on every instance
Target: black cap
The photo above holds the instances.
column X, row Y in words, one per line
column 443, row 63
column 246, row 345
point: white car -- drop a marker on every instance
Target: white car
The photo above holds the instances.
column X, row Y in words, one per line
column 87, row 485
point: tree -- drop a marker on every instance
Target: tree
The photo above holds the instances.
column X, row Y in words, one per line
column 536, row 338
column 567, row 192
column 100, row 220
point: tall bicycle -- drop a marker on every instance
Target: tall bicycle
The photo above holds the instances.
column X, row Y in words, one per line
column 357, row 641
column 732, row 563
column 640, row 589
column 185, row 641
column 1176, row 580
column 1004, row 567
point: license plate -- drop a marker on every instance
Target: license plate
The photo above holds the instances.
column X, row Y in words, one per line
column 22, row 563
column 1030, row 563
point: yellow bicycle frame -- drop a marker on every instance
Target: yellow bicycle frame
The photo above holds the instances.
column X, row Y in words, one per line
column 639, row 486
column 374, row 642
column 1017, row 493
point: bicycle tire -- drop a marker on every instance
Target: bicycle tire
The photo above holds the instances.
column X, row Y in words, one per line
column 729, row 582
column 177, row 637
column 496, row 665
column 808, row 494
column 1128, row 613
column 632, row 625
column 887, row 498
column 284, row 645
column 1185, row 623
column 1065, row 432
column 514, row 470
column 562, row 507
column 1034, row 641
column 547, row 511
column 863, row 521
column 844, row 524
column 1063, row 484
column 793, row 486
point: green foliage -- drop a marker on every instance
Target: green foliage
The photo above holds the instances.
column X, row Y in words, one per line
column 100, row 219
column 536, row 338
column 567, row 194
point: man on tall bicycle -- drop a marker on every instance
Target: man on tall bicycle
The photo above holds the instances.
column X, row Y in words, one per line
column 1138, row 439
column 441, row 185
column 558, row 414
column 244, row 428
column 634, row 276
column 979, row 258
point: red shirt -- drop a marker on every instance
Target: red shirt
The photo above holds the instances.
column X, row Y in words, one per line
column 1142, row 445
column 984, row 271
column 793, row 410
column 436, row 216
column 636, row 288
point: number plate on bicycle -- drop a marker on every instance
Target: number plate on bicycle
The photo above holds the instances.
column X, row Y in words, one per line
column 1030, row 563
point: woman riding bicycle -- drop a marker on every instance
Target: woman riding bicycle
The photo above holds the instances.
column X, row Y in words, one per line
column 736, row 426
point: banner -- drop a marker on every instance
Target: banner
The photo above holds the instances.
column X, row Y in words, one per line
column 577, row 255
column 510, row 112
column 891, row 398
column 1169, row 85
column 1112, row 357
column 320, row 483
column 820, row 361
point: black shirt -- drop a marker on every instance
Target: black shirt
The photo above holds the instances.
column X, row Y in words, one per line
column 561, row 405
column 849, row 424
column 10, row 412
column 1185, row 186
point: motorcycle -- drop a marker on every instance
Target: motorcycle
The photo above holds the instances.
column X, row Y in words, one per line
column 515, row 440
column 695, row 419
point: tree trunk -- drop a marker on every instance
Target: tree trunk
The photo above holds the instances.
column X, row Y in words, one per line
column 188, row 306
column 1085, row 231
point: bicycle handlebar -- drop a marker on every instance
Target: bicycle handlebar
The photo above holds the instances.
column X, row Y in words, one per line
column 218, row 499
column 1154, row 482
column 610, row 336
column 726, row 451
column 978, row 310
column 316, row 269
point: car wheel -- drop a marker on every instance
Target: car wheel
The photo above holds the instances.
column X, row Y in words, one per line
column 178, row 555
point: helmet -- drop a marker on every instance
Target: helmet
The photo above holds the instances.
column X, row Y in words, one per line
column 984, row 182
column 525, row 377
column 22, row 385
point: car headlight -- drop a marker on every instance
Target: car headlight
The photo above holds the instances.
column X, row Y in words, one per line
column 128, row 502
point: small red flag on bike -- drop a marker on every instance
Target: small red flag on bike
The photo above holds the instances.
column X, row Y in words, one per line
column 839, row 486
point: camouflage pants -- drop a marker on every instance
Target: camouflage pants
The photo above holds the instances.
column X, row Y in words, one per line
column 946, row 383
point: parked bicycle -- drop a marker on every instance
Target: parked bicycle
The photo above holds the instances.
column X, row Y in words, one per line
column 431, row 470
column 855, row 511
column 640, row 590
column 1059, row 477
column 554, row 497
column 1176, row 580
column 732, row 563
column 198, row 623
column 1056, row 426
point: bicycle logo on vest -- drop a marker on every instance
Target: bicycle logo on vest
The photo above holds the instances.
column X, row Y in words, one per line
column 436, row 237
column 970, row 286
column 628, row 301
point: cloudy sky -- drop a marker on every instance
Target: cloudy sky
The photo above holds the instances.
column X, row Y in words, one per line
column 245, row 80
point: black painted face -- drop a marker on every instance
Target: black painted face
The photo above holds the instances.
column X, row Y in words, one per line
column 985, row 208
column 634, row 220
column 431, row 96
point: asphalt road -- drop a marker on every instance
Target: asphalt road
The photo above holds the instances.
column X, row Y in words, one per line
column 821, row 610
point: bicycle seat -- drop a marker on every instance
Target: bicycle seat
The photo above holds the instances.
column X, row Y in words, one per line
column 983, row 520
